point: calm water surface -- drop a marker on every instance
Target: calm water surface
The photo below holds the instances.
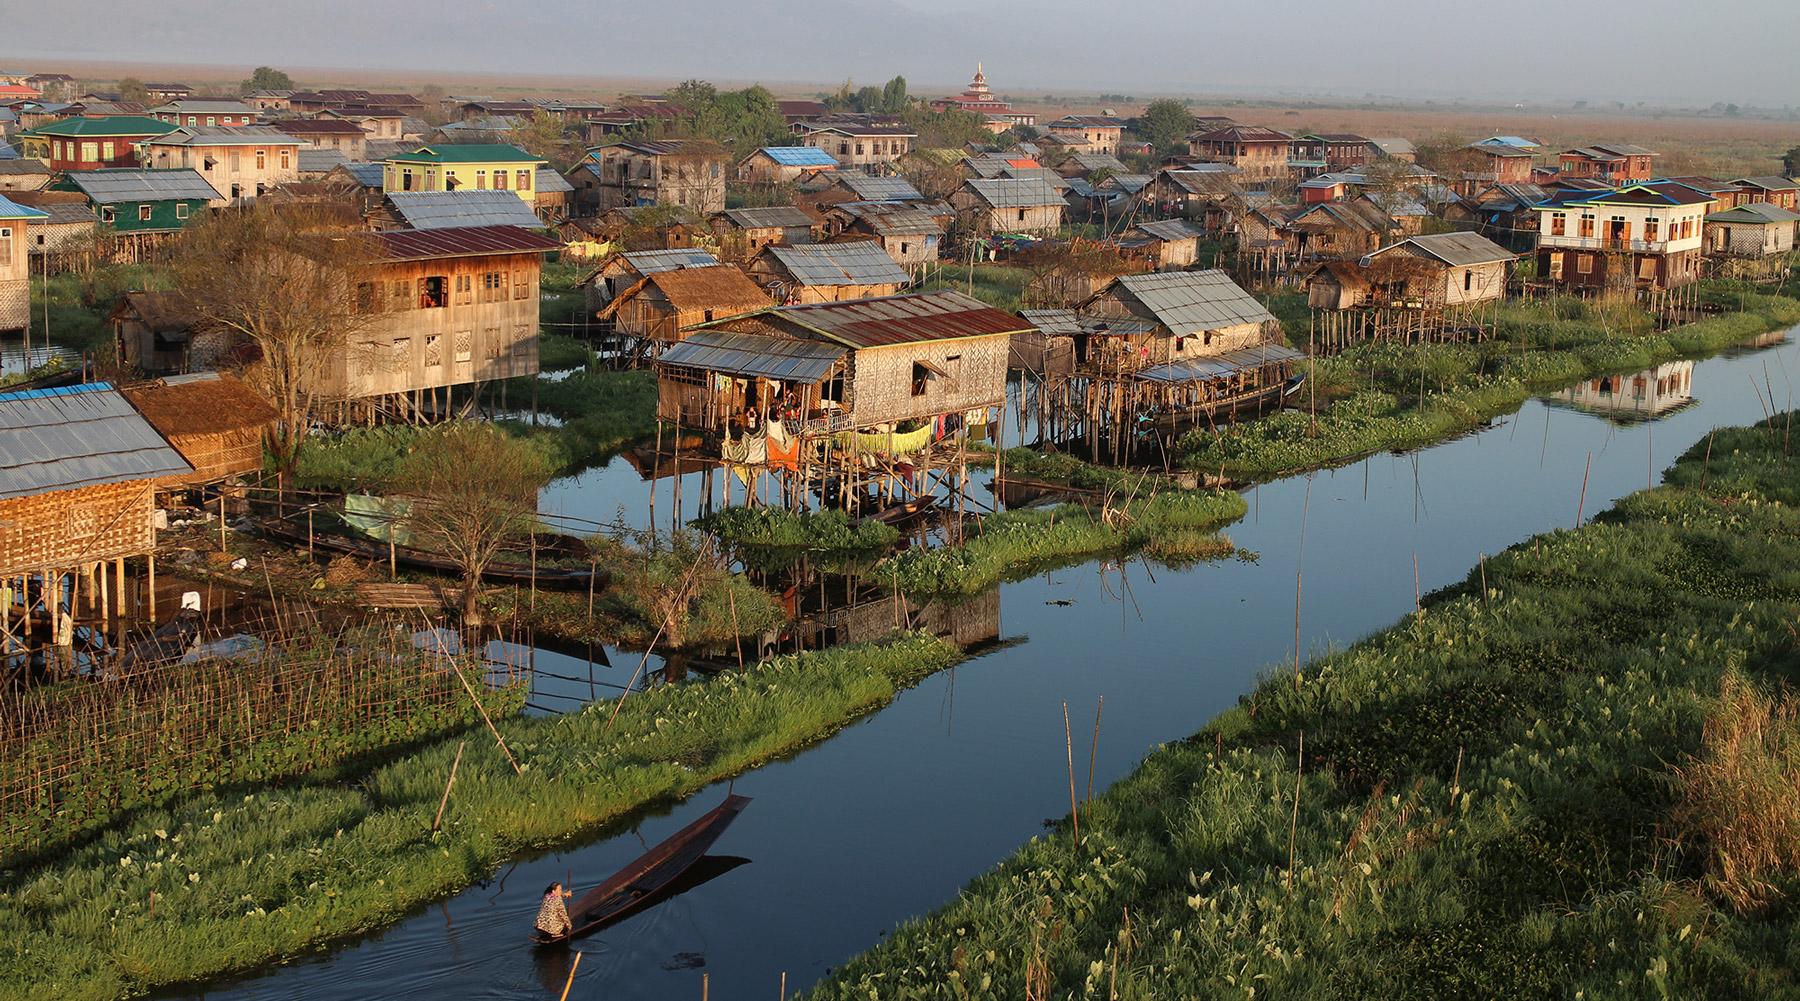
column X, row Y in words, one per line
column 889, row 818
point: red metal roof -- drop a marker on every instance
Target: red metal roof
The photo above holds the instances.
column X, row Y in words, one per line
column 902, row 319
column 460, row 241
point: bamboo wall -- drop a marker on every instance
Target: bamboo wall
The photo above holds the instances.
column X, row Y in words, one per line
column 881, row 379
column 86, row 525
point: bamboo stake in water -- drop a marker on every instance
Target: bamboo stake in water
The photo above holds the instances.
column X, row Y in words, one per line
column 1706, row 462
column 783, row 995
column 1581, row 505
column 1094, row 750
column 437, row 820
column 571, row 981
column 1418, row 608
column 1069, row 747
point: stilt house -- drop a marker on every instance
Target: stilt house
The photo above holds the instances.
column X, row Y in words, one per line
column 827, row 272
column 662, row 304
column 214, row 420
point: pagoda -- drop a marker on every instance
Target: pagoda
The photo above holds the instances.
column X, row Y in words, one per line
column 980, row 100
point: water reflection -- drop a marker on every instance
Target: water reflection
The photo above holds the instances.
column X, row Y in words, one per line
column 1636, row 396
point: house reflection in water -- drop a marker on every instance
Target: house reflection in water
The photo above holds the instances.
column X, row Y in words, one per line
column 1638, row 396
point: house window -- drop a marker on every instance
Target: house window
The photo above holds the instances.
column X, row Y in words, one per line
column 434, row 292
column 1021, row 215
column 524, row 180
column 90, row 152
column 521, row 285
column 406, row 180
column 365, row 297
column 481, row 180
column 920, row 376
column 192, row 119
column 465, row 347
column 1468, row 280
column 434, row 351
column 1556, row 266
column 1647, row 268
column 107, row 151
column 209, row 120
column 108, row 213
column 1587, row 226
column 262, row 159
column 143, row 213
column 402, row 353
column 6, row 247
column 1584, row 264
column 1650, row 225
column 843, row 149
column 181, row 210
column 493, row 286
column 400, row 294
column 284, row 159
column 237, row 160
column 1559, row 224
column 500, row 180
column 465, row 289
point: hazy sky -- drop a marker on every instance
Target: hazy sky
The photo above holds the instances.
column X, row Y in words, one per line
column 1660, row 51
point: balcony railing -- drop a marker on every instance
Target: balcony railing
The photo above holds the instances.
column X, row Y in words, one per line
column 1605, row 243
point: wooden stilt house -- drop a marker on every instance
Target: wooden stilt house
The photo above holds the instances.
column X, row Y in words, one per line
column 662, row 304
column 78, row 474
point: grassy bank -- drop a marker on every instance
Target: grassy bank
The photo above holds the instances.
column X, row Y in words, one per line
column 1173, row 524
column 741, row 528
column 1571, row 775
column 1380, row 397
column 239, row 881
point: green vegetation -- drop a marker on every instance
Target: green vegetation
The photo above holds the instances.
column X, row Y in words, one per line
column 81, row 760
column 1567, row 776
column 559, row 352
column 1014, row 544
column 817, row 531
column 1399, row 397
column 219, row 884
column 80, row 303
column 998, row 285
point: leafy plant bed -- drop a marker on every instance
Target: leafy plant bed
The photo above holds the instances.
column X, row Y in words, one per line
column 1572, row 775
column 222, row 884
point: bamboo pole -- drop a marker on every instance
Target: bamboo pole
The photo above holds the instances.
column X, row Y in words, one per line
column 486, row 719
column 438, row 820
column 571, row 981
column 1581, row 505
column 1094, row 750
column 1294, row 818
column 1069, row 747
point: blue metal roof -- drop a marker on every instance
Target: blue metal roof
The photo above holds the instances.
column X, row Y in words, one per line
column 799, row 156
column 10, row 209
column 77, row 436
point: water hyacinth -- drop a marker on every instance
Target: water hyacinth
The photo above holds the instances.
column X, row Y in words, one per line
column 1539, row 789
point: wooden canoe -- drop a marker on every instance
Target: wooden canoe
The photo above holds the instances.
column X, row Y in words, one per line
column 634, row 887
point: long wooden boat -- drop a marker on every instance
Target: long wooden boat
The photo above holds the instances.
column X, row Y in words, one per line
column 634, row 887
column 557, row 578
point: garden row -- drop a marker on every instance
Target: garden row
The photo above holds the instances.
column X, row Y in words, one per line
column 222, row 883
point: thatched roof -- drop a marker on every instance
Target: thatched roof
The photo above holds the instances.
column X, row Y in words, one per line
column 203, row 403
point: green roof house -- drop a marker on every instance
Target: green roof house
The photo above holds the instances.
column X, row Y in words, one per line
column 463, row 167
column 74, row 144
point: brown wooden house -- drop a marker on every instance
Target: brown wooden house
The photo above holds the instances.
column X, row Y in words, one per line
column 827, row 272
column 662, row 304
column 743, row 233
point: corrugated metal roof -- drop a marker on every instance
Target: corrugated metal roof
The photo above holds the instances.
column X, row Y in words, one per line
column 10, row 209
column 860, row 263
column 753, row 354
column 319, row 161
column 869, row 188
column 1097, row 161
column 366, row 174
column 1045, row 174
column 225, row 135
column 898, row 219
column 1190, row 301
column 460, row 241
column 901, row 319
column 1759, row 213
column 770, row 217
column 799, row 156
column 1171, row 229
column 1131, row 184
column 1014, row 192
column 1055, row 322
column 106, row 187
column 445, row 209
column 66, row 214
column 1220, row 366
column 1768, row 183
column 61, row 439
column 549, row 182
column 1455, row 249
column 651, row 261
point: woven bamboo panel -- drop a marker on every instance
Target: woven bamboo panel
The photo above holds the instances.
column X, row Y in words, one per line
column 71, row 527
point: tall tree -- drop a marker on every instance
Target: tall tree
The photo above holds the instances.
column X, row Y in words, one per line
column 291, row 281
column 473, row 490
column 1165, row 124
column 893, row 95
column 132, row 89
column 266, row 78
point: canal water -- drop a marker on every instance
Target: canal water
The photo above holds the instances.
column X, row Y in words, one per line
column 890, row 817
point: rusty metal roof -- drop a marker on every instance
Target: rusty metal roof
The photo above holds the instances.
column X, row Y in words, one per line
column 900, row 319
column 460, row 241
column 860, row 263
